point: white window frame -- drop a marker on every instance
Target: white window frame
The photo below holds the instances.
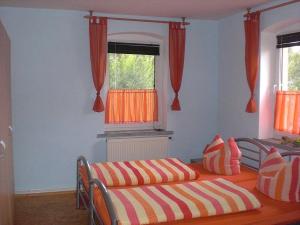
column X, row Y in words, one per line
column 283, row 69
column 270, row 72
column 282, row 82
column 161, row 72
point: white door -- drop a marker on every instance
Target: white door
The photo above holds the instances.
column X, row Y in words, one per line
column 6, row 161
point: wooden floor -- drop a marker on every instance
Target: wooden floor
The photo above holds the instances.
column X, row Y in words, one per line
column 54, row 209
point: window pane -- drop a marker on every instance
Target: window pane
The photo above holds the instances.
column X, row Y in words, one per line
column 129, row 71
column 294, row 68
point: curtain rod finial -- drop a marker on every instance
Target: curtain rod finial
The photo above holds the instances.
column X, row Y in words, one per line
column 183, row 22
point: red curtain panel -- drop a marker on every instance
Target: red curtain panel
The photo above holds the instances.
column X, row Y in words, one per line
column 98, row 55
column 287, row 111
column 176, row 59
column 131, row 106
column 251, row 25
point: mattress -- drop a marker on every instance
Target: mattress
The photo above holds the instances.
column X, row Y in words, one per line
column 271, row 212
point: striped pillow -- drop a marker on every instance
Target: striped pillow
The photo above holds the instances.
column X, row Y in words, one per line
column 222, row 158
column 142, row 172
column 279, row 179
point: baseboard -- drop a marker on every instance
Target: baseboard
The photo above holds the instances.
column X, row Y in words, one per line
column 45, row 192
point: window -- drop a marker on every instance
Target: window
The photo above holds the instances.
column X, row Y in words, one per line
column 131, row 71
column 287, row 108
column 290, row 68
column 132, row 95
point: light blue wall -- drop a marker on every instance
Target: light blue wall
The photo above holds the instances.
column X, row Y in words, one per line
column 233, row 89
column 52, row 90
column 52, row 94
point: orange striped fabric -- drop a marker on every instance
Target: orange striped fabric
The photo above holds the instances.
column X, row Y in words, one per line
column 187, row 200
column 142, row 172
column 131, row 106
column 222, row 158
column 287, row 111
column 279, row 179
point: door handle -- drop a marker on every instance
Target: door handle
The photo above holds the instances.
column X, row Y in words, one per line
column 3, row 147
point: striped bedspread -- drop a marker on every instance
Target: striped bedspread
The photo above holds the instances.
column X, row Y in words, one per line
column 167, row 203
column 142, row 172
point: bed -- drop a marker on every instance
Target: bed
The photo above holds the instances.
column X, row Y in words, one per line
column 95, row 196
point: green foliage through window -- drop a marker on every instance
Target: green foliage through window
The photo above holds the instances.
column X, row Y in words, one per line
column 294, row 68
column 129, row 71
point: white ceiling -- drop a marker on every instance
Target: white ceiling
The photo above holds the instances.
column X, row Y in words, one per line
column 200, row 9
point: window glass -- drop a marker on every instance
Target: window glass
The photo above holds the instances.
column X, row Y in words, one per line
column 131, row 71
column 290, row 70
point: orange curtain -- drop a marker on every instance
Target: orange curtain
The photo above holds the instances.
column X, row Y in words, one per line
column 131, row 106
column 176, row 59
column 287, row 111
column 251, row 25
column 98, row 55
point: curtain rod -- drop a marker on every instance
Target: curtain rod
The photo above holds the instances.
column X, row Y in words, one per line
column 273, row 7
column 139, row 20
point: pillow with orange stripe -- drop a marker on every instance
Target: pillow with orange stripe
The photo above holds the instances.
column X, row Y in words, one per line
column 222, row 158
column 279, row 179
column 140, row 172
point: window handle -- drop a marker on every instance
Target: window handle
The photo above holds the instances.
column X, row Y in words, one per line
column 3, row 147
column 275, row 88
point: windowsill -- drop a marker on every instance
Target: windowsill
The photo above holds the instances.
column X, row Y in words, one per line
column 275, row 142
column 135, row 133
column 279, row 134
column 130, row 127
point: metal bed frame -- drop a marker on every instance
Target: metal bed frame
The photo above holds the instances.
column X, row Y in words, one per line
column 85, row 197
column 245, row 149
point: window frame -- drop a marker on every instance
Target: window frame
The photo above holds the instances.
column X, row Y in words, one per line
column 282, row 86
column 283, row 69
column 269, row 78
column 161, row 71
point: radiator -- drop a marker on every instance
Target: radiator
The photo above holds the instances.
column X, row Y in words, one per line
column 125, row 149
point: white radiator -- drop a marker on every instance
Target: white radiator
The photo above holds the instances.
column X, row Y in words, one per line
column 125, row 149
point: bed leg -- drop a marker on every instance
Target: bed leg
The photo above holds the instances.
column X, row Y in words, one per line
column 78, row 200
column 91, row 216
column 91, row 219
column 91, row 204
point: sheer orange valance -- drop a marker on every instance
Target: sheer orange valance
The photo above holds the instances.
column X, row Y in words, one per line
column 131, row 106
column 287, row 111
